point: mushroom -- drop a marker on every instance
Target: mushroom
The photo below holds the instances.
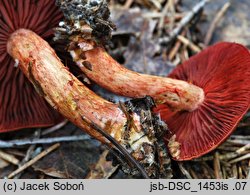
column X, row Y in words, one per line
column 20, row 105
column 80, row 105
column 202, row 100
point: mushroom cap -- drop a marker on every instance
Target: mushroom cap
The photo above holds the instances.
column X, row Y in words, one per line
column 223, row 72
column 20, row 105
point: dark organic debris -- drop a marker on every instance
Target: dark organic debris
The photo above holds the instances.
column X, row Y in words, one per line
column 78, row 13
column 153, row 159
column 71, row 160
column 155, row 129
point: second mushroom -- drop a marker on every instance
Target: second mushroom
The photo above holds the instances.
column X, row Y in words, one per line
column 202, row 100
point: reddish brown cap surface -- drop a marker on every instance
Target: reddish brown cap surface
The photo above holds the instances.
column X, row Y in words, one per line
column 223, row 72
column 20, row 105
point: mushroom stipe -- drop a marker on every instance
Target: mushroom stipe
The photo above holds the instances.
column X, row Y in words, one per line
column 65, row 93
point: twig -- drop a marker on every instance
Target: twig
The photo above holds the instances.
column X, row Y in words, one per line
column 14, row 143
column 29, row 152
column 31, row 149
column 217, row 168
column 184, row 21
column 151, row 3
column 174, row 50
column 245, row 137
column 54, row 128
column 16, row 152
column 248, row 174
column 128, row 4
column 243, row 149
column 158, row 15
column 234, row 171
column 184, row 54
column 227, row 156
column 247, row 156
column 228, row 148
column 241, row 142
column 176, row 47
column 34, row 160
column 224, row 172
column 170, row 10
column 177, row 60
column 188, row 43
column 215, row 23
column 9, row 158
column 193, row 174
column 240, row 173
column 184, row 170
column 207, row 170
